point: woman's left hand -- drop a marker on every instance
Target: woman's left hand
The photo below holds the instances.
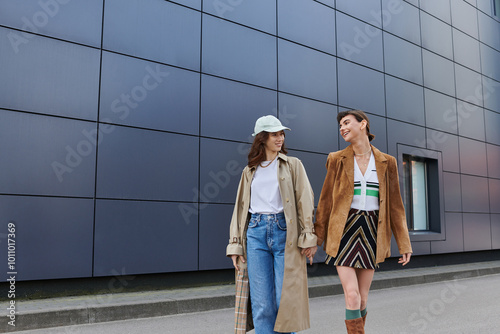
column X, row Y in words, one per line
column 405, row 259
column 309, row 253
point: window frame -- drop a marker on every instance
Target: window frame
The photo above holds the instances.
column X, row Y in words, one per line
column 495, row 9
column 435, row 190
column 408, row 183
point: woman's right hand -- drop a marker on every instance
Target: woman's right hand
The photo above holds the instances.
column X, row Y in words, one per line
column 235, row 260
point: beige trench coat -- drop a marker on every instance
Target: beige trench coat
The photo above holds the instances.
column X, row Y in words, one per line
column 298, row 206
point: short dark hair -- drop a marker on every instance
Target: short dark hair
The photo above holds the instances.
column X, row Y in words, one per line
column 360, row 116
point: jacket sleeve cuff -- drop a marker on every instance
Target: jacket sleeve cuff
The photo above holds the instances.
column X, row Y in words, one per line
column 234, row 249
column 307, row 239
column 319, row 241
column 405, row 250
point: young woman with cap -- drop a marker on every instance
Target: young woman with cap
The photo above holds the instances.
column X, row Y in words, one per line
column 271, row 232
column 360, row 204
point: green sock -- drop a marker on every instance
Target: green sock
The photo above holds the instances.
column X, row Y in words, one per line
column 352, row 314
column 363, row 312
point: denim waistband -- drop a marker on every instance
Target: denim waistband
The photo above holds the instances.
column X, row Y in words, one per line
column 268, row 215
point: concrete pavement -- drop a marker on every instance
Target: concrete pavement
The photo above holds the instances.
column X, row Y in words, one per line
column 125, row 306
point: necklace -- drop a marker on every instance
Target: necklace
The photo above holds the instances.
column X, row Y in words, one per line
column 364, row 153
column 270, row 162
column 364, row 164
column 360, row 158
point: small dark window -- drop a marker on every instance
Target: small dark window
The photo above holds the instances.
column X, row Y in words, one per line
column 496, row 8
column 421, row 184
column 416, row 193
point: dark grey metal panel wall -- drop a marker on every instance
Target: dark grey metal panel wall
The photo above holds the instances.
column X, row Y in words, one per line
column 221, row 98
column 235, row 52
column 73, row 70
column 453, row 198
column 493, row 154
column 307, row 23
column 76, row 21
column 213, row 220
column 397, row 49
column 448, row 145
column 494, row 195
column 302, row 115
column 466, row 50
column 495, row 230
column 159, row 31
column 438, row 73
column 54, row 236
column 142, row 237
column 221, row 163
column 444, row 111
column 125, row 124
column 361, row 86
column 350, row 31
column 148, row 95
column 258, row 14
column 142, row 164
column 306, row 72
column 40, row 156
column 405, row 101
column 436, row 35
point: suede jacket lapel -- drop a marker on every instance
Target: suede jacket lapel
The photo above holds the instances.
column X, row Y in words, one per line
column 348, row 164
column 380, row 165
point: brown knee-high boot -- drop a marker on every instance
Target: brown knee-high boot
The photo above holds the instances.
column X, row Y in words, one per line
column 364, row 320
column 355, row 326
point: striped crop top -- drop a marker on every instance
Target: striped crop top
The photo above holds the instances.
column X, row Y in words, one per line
column 366, row 187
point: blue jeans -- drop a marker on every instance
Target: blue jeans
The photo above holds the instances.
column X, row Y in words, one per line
column 266, row 240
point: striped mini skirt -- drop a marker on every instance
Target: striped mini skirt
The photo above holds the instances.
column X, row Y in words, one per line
column 358, row 246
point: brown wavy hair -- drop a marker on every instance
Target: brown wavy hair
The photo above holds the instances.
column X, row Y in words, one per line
column 258, row 150
column 360, row 116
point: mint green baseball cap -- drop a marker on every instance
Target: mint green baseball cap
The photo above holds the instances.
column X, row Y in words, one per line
column 268, row 123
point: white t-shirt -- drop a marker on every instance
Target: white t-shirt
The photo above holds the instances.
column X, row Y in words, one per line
column 265, row 194
column 366, row 196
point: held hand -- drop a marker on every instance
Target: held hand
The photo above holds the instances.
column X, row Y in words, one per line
column 405, row 259
column 235, row 260
column 309, row 253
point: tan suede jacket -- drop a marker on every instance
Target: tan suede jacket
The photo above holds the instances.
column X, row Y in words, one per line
column 336, row 198
column 298, row 206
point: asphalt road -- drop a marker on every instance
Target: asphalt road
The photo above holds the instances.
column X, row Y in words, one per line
column 470, row 306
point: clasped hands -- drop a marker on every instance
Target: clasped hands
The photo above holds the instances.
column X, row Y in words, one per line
column 309, row 253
